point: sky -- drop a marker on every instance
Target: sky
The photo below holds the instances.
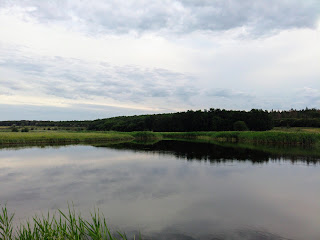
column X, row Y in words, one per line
column 83, row 60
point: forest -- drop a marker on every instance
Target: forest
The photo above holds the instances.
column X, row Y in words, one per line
column 36, row 123
column 200, row 120
column 207, row 120
column 296, row 118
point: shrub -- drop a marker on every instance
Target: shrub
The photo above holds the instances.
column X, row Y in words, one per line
column 240, row 126
column 14, row 129
column 25, row 129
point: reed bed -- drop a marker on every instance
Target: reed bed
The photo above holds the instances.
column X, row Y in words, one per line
column 146, row 135
column 268, row 137
column 61, row 226
column 289, row 138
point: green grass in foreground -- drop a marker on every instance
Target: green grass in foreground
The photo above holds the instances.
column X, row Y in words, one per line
column 62, row 226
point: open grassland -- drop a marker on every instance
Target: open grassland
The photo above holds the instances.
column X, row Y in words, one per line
column 61, row 226
column 7, row 138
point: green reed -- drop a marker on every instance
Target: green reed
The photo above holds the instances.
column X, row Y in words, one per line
column 61, row 226
column 267, row 137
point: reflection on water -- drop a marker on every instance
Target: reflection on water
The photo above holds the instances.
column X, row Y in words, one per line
column 165, row 193
column 218, row 152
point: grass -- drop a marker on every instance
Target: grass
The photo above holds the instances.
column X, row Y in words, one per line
column 268, row 137
column 61, row 226
column 146, row 135
column 7, row 138
column 304, row 137
column 296, row 129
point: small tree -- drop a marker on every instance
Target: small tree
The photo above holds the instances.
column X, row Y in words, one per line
column 240, row 126
column 25, row 129
column 14, row 128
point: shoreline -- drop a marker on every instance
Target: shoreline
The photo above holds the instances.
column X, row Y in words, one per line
column 59, row 137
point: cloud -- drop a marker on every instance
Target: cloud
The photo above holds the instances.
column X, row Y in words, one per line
column 129, row 57
column 181, row 17
column 72, row 112
column 310, row 97
column 75, row 81
column 229, row 93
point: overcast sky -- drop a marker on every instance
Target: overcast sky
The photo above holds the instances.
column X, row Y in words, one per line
column 74, row 60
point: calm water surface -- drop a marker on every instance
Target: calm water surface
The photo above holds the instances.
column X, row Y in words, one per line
column 170, row 190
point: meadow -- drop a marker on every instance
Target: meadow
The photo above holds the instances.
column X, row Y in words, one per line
column 296, row 136
column 61, row 137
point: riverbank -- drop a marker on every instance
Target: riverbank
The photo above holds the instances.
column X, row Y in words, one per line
column 60, row 137
column 267, row 137
column 63, row 137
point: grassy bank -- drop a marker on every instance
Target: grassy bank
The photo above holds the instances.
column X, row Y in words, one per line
column 60, row 226
column 63, row 137
column 268, row 137
column 9, row 138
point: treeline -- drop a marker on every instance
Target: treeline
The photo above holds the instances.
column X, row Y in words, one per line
column 207, row 120
column 296, row 118
column 201, row 120
column 35, row 123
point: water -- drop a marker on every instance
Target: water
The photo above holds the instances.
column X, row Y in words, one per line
column 171, row 190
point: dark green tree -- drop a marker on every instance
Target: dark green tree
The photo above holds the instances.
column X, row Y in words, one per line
column 240, row 126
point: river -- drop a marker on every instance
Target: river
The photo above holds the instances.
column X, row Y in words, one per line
column 170, row 189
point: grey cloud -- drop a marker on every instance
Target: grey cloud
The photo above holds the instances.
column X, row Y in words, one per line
column 81, row 80
column 74, row 112
column 229, row 93
column 5, row 92
column 10, row 176
column 179, row 16
column 309, row 97
column 25, row 66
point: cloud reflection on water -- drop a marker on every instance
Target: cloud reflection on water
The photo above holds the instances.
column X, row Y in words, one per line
column 163, row 195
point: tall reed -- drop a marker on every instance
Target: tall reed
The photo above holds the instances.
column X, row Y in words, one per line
column 61, row 226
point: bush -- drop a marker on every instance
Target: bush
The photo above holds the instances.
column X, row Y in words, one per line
column 14, row 129
column 25, row 129
column 240, row 126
